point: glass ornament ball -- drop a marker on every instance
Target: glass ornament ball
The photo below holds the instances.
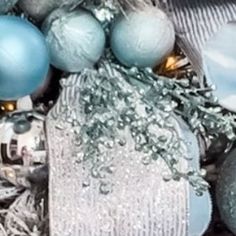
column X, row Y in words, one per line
column 39, row 10
column 24, row 58
column 76, row 40
column 142, row 38
column 220, row 64
column 226, row 191
column 6, row 5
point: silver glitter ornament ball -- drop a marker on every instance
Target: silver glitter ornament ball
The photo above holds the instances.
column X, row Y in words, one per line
column 143, row 38
column 6, row 5
column 41, row 9
column 76, row 40
column 226, row 192
column 22, row 139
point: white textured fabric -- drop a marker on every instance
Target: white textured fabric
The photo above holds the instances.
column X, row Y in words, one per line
column 141, row 203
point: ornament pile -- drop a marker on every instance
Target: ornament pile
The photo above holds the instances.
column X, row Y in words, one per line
column 121, row 140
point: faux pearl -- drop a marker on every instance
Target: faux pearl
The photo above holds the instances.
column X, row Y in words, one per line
column 76, row 39
column 41, row 9
column 220, row 64
column 142, row 38
column 24, row 58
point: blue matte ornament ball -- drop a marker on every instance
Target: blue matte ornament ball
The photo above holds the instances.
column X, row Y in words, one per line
column 6, row 5
column 24, row 58
column 76, row 40
column 142, row 38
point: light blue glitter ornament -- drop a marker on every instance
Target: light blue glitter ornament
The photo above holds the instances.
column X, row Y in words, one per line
column 76, row 39
column 143, row 38
column 6, row 5
column 24, row 58
column 220, row 64
column 41, row 9
column 226, row 191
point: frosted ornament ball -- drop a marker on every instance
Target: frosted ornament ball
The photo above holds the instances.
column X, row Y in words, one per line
column 142, row 38
column 76, row 40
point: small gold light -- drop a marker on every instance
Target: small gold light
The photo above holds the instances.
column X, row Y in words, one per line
column 171, row 63
column 10, row 174
column 10, row 107
column 3, row 108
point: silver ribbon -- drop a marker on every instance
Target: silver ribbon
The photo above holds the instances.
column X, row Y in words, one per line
column 141, row 202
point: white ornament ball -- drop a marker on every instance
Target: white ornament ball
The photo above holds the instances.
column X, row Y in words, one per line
column 76, row 40
column 142, row 38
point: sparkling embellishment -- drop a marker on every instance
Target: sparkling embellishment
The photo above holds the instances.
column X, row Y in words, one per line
column 121, row 191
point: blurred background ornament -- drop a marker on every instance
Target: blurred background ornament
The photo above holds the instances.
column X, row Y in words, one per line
column 142, row 38
column 22, row 139
column 76, row 40
column 6, row 5
column 226, row 191
column 24, row 58
column 38, row 10
column 220, row 64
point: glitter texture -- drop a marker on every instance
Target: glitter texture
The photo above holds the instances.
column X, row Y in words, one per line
column 105, row 179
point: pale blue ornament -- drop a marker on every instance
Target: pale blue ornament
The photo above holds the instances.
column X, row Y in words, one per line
column 24, row 58
column 6, row 5
column 39, row 10
column 142, row 38
column 199, row 220
column 226, row 191
column 220, row 64
column 76, row 40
